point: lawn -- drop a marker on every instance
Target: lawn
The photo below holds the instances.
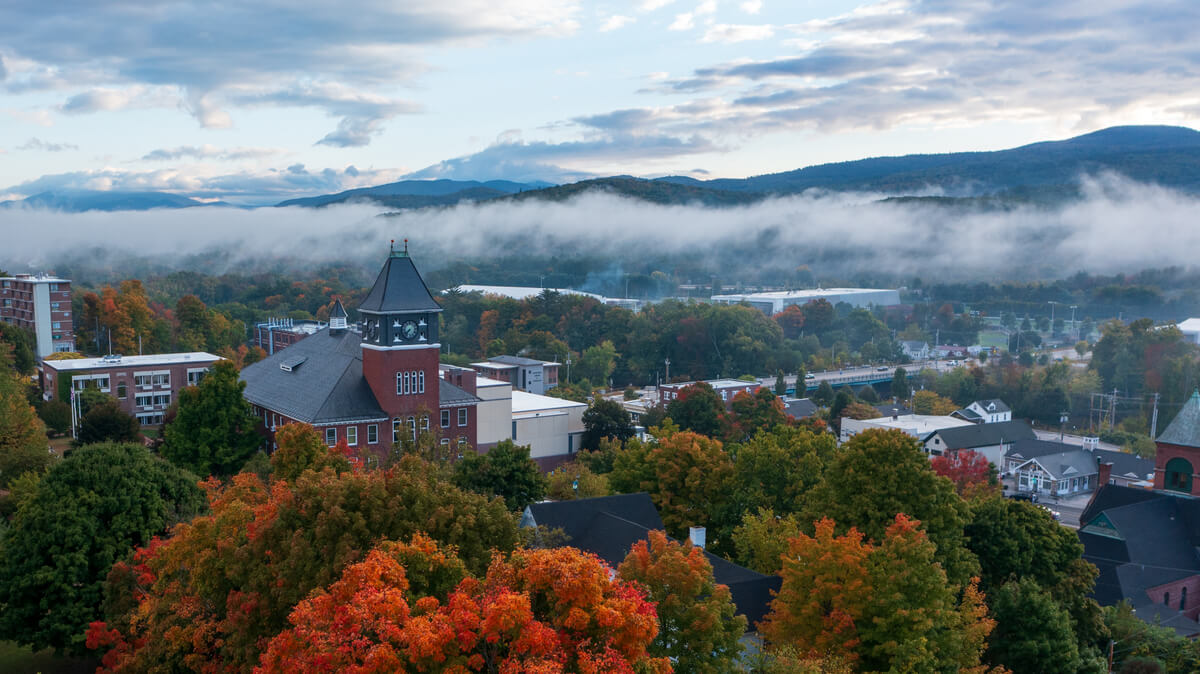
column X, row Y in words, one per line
column 994, row 338
column 18, row 660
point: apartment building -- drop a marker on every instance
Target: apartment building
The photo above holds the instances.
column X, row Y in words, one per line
column 41, row 305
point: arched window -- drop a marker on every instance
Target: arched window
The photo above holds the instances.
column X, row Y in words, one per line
column 412, row 427
column 1182, row 598
column 1178, row 475
column 1166, row 598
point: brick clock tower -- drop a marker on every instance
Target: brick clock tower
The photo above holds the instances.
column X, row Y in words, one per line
column 400, row 345
column 1177, row 455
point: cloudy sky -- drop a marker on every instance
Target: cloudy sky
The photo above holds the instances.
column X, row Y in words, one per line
column 254, row 102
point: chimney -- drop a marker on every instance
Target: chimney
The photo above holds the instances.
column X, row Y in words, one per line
column 1105, row 474
column 697, row 535
column 895, row 414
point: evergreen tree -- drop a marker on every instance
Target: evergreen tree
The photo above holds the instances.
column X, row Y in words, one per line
column 214, row 432
column 868, row 395
column 781, row 383
column 900, row 386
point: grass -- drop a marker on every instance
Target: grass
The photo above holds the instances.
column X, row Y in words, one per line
column 60, row 445
column 994, row 338
column 21, row 660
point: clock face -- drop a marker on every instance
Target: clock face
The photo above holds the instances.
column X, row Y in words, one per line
column 409, row 330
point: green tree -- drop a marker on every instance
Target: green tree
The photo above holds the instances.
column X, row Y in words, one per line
column 781, row 383
column 840, row 402
column 56, row 415
column 300, row 447
column 1033, row 634
column 605, row 418
column 107, row 422
column 900, row 386
column 597, row 363
column 23, row 444
column 575, row 480
column 505, row 471
column 697, row 408
column 90, row 510
column 20, row 347
column 879, row 474
column 824, row 394
column 761, row 540
column 697, row 627
column 750, row 413
column 868, row 395
column 776, row 468
column 214, row 432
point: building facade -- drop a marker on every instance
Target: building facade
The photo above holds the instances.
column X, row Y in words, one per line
column 41, row 305
column 280, row 333
column 726, row 388
column 143, row 386
column 372, row 384
column 526, row 374
column 774, row 302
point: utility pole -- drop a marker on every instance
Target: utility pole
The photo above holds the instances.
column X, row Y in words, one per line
column 1112, row 415
column 1154, row 419
column 1073, row 307
column 1062, row 428
column 668, row 376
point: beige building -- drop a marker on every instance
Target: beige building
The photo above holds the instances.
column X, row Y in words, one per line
column 552, row 427
column 495, row 413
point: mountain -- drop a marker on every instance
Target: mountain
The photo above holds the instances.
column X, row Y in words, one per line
column 1166, row 155
column 418, row 193
column 77, row 201
column 654, row 191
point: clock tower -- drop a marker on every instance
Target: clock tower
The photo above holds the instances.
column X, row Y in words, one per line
column 400, row 344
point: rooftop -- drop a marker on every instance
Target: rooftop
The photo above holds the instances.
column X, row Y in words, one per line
column 149, row 360
column 518, row 360
column 1185, row 427
column 812, row 292
column 399, row 288
column 919, row 425
column 968, row 435
column 1190, row 325
column 523, row 402
column 35, row 279
column 518, row 292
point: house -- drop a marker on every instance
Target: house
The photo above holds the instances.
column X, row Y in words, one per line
column 1144, row 545
column 799, row 408
column 951, row 351
column 1126, row 469
column 915, row 350
column 143, row 386
column 372, row 384
column 726, row 388
column 527, row 374
column 608, row 526
column 993, row 440
column 985, row 412
column 920, row 426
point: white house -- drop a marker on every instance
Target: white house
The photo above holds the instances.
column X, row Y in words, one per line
column 915, row 350
column 985, row 412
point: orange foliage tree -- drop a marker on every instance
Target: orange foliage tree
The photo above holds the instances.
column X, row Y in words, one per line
column 538, row 611
column 210, row 597
column 884, row 607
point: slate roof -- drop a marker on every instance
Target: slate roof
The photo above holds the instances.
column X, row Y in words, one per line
column 984, row 435
column 399, row 288
column 450, row 395
column 799, row 408
column 516, row 360
column 338, row 311
column 1072, row 463
column 1141, row 539
column 325, row 384
column 1185, row 427
column 608, row 526
column 888, row 409
column 968, row 414
column 1000, row 406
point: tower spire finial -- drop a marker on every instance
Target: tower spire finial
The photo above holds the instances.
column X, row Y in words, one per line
column 406, row 247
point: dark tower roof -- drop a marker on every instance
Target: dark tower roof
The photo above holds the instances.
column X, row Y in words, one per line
column 1185, row 427
column 399, row 288
column 338, row 311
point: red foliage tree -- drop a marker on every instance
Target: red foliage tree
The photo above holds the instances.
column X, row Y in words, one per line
column 969, row 470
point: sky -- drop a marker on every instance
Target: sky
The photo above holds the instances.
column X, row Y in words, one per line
column 256, row 102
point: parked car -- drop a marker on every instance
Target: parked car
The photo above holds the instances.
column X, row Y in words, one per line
column 882, row 368
column 1032, row 497
column 809, row 375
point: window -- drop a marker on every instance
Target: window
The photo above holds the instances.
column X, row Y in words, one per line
column 331, row 436
column 399, row 385
column 372, row 434
column 195, row 376
column 421, row 381
column 1166, row 598
column 462, row 416
column 424, row 422
column 54, row 305
column 102, row 383
column 445, row 418
column 395, row 431
column 57, row 325
column 121, row 390
column 162, row 379
column 1182, row 597
column 445, row 442
column 462, row 441
column 407, row 384
column 162, row 398
column 144, row 400
column 412, row 427
column 352, row 435
column 53, row 287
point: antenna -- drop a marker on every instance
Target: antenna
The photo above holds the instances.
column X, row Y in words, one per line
column 392, row 246
column 406, row 246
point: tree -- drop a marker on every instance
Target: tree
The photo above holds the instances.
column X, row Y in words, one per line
column 840, row 402
column 1033, row 634
column 575, row 480
column 969, row 470
column 56, row 414
column 781, row 383
column 928, row 402
column 900, row 387
column 605, row 418
column 878, row 474
column 505, row 471
column 687, row 475
column 20, row 346
column 90, row 510
column 223, row 585
column 23, row 444
column 539, row 611
column 777, row 468
column 1081, row 347
column 697, row 628
column 300, row 447
column 697, row 408
column 214, row 431
column 824, row 394
column 107, row 422
column 752, row 413
column 761, row 540
column 868, row 395
column 597, row 363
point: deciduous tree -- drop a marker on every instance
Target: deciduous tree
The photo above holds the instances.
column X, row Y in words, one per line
column 90, row 510
column 575, row 480
column 605, row 418
column 23, row 444
column 299, row 448
column 697, row 628
column 970, row 472
column 505, row 471
column 214, row 432
column 697, row 408
column 107, row 422
column 928, row 402
column 1033, row 634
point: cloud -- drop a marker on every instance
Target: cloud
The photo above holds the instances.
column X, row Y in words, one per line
column 835, row 234
column 107, row 55
column 751, row 6
column 729, row 33
column 707, row 7
column 210, row 152
column 251, row 187
column 616, row 21
column 651, row 5
column 39, row 144
column 682, row 22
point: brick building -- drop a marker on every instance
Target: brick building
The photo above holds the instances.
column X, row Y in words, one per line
column 373, row 383
column 41, row 305
column 726, row 388
column 143, row 386
column 280, row 333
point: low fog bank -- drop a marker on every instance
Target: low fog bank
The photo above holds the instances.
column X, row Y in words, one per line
column 1117, row 226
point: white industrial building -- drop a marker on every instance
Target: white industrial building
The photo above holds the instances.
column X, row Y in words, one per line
column 776, row 301
column 552, row 427
column 1190, row 329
